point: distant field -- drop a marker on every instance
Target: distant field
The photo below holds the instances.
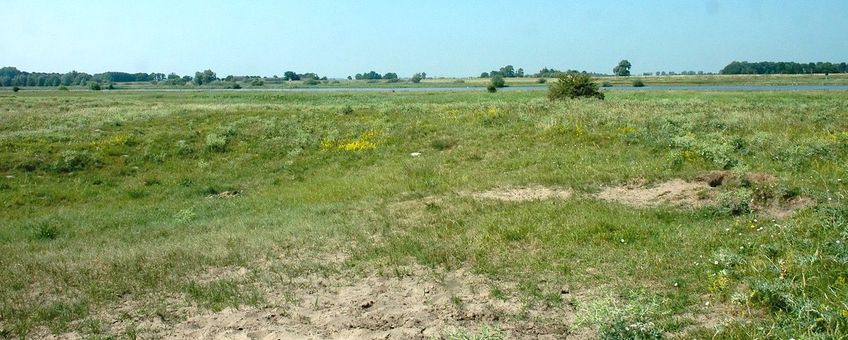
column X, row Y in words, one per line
column 425, row 215
column 777, row 79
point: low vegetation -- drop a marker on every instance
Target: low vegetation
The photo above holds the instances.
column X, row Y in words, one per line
column 574, row 85
column 138, row 214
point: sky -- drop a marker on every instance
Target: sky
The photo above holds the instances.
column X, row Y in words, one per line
column 337, row 38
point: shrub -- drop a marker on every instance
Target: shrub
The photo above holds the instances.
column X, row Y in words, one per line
column 257, row 82
column 541, row 81
column 574, row 85
column 72, row 161
column 216, row 143
column 491, row 88
column 110, row 87
column 63, row 88
column 94, row 86
column 183, row 148
column 16, row 89
column 638, row 83
column 497, row 81
column 736, row 202
column 346, row 110
column 311, row 82
column 606, row 84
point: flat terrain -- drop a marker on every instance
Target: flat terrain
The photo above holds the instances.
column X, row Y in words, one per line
column 423, row 215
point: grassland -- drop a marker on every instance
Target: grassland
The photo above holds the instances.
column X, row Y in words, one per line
column 126, row 214
column 680, row 80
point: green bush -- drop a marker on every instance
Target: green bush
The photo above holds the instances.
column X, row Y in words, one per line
column 638, row 83
column 606, row 84
column 541, row 81
column 311, row 82
column 497, row 81
column 491, row 88
column 72, row 161
column 216, row 142
column 574, row 85
column 62, row 88
column 94, row 86
column 16, row 89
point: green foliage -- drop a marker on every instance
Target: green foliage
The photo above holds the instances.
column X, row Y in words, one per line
column 216, row 142
column 491, row 88
column 418, row 77
column 204, row 78
column 46, row 232
column 606, row 84
column 15, row 89
column 622, row 69
column 94, row 86
column 541, row 81
column 638, row 83
column 72, row 160
column 221, row 294
column 574, row 86
column 497, row 81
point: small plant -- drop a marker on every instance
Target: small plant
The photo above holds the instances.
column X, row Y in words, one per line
column 736, row 202
column 62, row 88
column 110, row 87
column 216, row 142
column 72, row 161
column 624, row 329
column 445, row 143
column 491, row 88
column 311, row 82
column 574, row 85
column 346, row 110
column 94, row 86
column 16, row 89
column 606, row 84
column 541, row 81
column 46, row 232
column 638, row 83
column 183, row 148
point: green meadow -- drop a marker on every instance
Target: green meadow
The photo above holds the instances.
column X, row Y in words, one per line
column 118, row 208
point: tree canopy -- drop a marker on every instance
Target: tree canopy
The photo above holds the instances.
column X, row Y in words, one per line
column 622, row 69
column 780, row 67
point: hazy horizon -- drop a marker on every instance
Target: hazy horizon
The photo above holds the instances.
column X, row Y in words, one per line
column 341, row 38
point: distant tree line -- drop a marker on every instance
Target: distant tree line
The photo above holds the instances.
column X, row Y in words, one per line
column 291, row 75
column 554, row 73
column 507, row 71
column 11, row 76
column 771, row 67
column 371, row 75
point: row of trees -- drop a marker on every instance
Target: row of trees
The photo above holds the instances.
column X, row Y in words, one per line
column 375, row 76
column 11, row 76
column 554, row 73
column 507, row 71
column 770, row 67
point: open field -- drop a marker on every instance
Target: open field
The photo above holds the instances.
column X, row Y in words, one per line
column 423, row 215
column 772, row 79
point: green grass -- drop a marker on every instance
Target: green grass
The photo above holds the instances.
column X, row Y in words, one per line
column 270, row 84
column 104, row 198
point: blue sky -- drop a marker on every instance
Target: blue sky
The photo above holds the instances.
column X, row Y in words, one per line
column 338, row 38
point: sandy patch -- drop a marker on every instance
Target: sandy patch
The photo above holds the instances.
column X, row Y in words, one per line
column 522, row 194
column 420, row 306
column 676, row 192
